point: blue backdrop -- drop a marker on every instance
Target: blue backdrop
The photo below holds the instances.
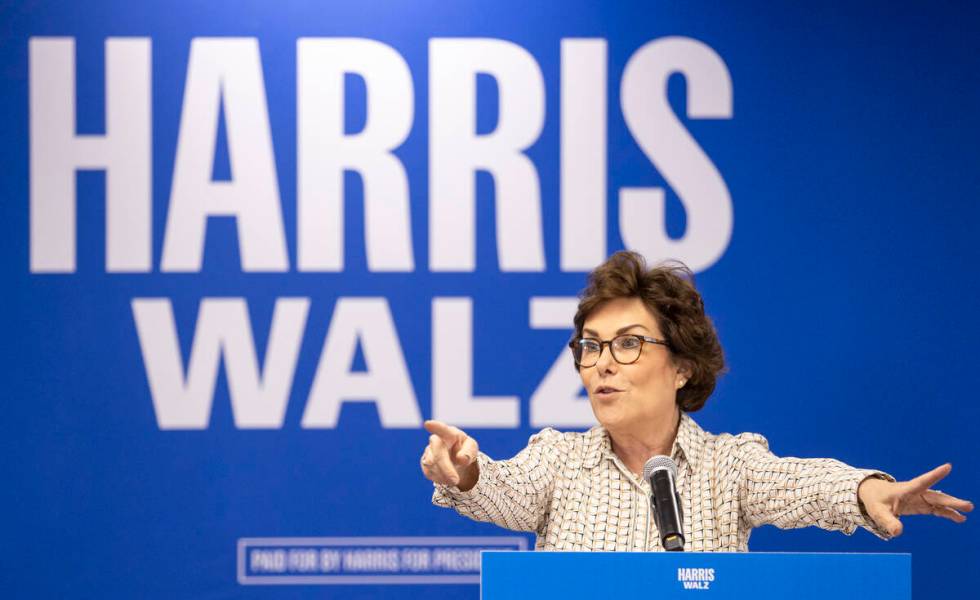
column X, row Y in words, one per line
column 844, row 285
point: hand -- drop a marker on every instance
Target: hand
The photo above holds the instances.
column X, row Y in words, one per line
column 450, row 457
column 886, row 501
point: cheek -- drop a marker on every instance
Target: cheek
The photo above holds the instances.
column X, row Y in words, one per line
column 651, row 377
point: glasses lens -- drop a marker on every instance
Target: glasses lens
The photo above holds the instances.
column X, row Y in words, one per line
column 626, row 348
column 587, row 352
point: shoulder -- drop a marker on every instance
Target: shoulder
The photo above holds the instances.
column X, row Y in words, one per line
column 567, row 440
column 740, row 441
column 569, row 445
column 690, row 432
column 729, row 450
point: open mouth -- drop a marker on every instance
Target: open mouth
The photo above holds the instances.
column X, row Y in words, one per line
column 605, row 389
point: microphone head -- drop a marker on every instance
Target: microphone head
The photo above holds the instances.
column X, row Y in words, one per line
column 659, row 462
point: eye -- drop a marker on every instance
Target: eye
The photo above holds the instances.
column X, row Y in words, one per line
column 629, row 342
column 588, row 346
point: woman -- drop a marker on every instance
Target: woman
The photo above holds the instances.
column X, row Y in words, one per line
column 648, row 356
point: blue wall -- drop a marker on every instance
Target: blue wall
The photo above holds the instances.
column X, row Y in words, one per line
column 845, row 297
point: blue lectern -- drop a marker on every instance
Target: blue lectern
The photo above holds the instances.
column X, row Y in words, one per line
column 695, row 575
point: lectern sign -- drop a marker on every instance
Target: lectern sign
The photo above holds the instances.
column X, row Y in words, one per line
column 718, row 576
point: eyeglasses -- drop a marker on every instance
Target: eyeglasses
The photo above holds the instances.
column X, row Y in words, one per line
column 625, row 349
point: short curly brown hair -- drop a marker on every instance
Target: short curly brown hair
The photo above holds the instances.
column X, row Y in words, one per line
column 669, row 293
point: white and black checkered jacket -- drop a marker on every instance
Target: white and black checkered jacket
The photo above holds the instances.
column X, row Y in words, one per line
column 575, row 493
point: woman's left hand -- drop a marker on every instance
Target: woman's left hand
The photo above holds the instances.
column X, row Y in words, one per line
column 886, row 501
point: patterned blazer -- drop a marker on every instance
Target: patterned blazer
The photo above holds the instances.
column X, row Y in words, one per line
column 576, row 494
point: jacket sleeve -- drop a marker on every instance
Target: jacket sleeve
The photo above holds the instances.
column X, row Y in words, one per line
column 793, row 492
column 513, row 493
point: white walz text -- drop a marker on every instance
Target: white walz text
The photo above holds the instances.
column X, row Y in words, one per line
column 224, row 76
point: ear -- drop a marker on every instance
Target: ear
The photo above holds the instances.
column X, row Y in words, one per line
column 683, row 374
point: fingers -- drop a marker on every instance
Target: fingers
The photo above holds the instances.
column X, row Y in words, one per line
column 942, row 499
column 427, row 463
column 467, row 452
column 948, row 513
column 442, row 464
column 946, row 506
column 436, row 464
column 927, row 480
column 441, row 454
column 429, row 468
column 884, row 518
column 435, row 471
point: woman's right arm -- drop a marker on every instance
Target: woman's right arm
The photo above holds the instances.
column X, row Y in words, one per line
column 513, row 493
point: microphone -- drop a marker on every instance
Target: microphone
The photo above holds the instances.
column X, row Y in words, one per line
column 661, row 472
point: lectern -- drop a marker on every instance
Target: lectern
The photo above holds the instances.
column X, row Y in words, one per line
column 695, row 576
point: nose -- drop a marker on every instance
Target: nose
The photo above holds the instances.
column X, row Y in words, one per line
column 606, row 362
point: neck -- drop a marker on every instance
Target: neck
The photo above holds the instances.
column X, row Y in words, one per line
column 635, row 446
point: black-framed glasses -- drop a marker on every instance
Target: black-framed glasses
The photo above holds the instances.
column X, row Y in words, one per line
column 625, row 348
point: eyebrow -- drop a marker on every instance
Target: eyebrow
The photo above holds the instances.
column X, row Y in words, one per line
column 618, row 331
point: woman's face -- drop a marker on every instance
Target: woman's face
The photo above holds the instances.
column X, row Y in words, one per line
column 624, row 397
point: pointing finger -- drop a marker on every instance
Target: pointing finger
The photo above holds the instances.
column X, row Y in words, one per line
column 433, row 426
column 447, row 432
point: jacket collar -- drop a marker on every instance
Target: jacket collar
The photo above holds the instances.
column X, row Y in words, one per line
column 688, row 444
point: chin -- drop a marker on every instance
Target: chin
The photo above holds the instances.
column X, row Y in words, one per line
column 607, row 418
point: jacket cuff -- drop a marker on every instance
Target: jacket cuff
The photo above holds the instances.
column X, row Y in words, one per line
column 857, row 514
